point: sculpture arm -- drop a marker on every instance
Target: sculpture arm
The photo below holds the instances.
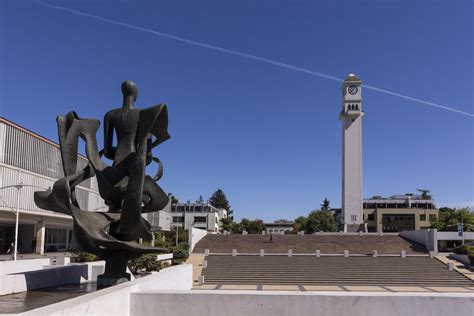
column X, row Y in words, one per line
column 109, row 150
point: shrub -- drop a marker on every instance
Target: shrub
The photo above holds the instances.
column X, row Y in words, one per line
column 184, row 245
column 471, row 259
column 147, row 262
column 464, row 250
column 180, row 254
column 85, row 257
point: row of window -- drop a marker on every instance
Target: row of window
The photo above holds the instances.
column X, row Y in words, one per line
column 432, row 217
column 190, row 208
column 429, row 206
column 197, row 219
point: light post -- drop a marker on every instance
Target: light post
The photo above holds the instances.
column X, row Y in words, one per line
column 18, row 186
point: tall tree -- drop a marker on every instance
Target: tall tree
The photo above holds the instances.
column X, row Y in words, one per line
column 325, row 205
column 320, row 221
column 219, row 200
column 173, row 198
column 200, row 200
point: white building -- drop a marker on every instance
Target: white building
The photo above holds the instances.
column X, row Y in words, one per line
column 35, row 161
column 161, row 220
column 197, row 215
column 351, row 118
column 279, row 226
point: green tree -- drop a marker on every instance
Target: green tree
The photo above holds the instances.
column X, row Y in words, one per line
column 200, row 200
column 320, row 221
column 300, row 224
column 252, row 226
column 449, row 218
column 227, row 223
column 325, row 205
column 219, row 200
column 173, row 199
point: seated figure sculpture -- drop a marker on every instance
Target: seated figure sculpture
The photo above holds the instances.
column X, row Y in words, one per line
column 126, row 189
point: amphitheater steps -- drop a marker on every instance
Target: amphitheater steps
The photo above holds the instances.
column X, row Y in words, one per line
column 306, row 270
column 308, row 244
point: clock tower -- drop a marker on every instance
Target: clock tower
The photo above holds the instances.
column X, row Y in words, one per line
column 351, row 118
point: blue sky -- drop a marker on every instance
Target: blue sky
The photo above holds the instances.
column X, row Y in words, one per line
column 268, row 136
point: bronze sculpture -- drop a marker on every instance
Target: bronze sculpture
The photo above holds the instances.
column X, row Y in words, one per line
column 126, row 189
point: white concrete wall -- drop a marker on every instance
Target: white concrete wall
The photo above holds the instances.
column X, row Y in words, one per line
column 8, row 267
column 454, row 236
column 195, row 235
column 50, row 275
column 426, row 237
column 215, row 302
column 115, row 300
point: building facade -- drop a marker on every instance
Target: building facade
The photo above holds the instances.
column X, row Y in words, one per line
column 279, row 226
column 351, row 118
column 399, row 213
column 33, row 163
column 197, row 215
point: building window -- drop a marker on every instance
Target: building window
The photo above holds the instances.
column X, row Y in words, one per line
column 371, row 217
column 353, row 218
column 55, row 239
column 432, row 217
column 178, row 219
column 207, row 209
column 198, row 208
column 422, row 217
column 180, row 209
column 200, row 219
column 392, row 223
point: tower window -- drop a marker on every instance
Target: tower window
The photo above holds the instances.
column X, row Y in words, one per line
column 353, row 218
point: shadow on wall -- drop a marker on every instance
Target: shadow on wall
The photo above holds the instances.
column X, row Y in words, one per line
column 73, row 274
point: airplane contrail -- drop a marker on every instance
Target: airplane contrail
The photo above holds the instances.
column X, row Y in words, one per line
column 249, row 56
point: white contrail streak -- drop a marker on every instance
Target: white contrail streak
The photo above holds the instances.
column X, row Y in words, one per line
column 233, row 52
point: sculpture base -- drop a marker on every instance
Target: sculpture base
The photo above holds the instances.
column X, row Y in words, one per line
column 105, row 280
column 115, row 271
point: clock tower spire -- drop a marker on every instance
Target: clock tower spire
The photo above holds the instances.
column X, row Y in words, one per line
column 351, row 118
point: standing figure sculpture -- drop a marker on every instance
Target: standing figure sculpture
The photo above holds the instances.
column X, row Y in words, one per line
column 126, row 189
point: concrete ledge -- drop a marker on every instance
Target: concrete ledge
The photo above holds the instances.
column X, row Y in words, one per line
column 24, row 265
column 115, row 300
column 50, row 276
column 217, row 302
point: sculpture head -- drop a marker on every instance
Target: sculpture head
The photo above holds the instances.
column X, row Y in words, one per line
column 129, row 91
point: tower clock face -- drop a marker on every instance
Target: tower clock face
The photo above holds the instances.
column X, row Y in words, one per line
column 352, row 89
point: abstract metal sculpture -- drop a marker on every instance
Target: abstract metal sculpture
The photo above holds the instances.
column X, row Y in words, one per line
column 126, row 189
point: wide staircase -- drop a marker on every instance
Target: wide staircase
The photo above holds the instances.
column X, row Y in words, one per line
column 311, row 270
column 308, row 244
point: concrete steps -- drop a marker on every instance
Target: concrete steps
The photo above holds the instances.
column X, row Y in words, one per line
column 306, row 270
column 308, row 244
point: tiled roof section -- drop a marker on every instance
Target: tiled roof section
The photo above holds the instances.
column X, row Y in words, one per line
column 328, row 244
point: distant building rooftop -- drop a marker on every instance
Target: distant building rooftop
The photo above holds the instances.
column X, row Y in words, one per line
column 400, row 201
